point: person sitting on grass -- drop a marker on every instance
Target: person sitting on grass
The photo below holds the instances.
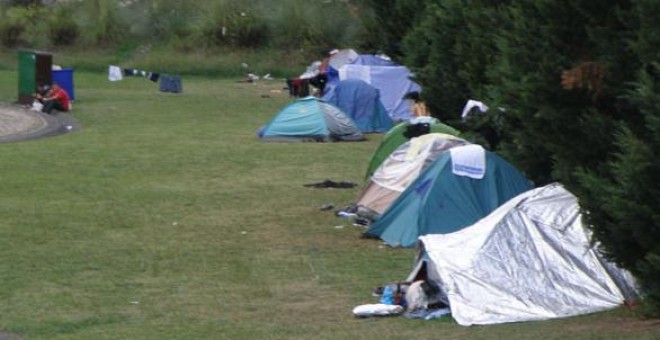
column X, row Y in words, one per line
column 57, row 99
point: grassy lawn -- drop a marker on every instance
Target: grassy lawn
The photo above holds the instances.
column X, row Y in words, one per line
column 165, row 217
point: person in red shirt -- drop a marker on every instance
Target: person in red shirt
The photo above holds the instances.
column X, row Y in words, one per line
column 57, row 99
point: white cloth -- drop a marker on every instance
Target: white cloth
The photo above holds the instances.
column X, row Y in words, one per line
column 377, row 309
column 423, row 120
column 115, row 73
column 469, row 160
column 472, row 104
column 37, row 106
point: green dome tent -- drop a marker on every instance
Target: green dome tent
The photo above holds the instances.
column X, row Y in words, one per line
column 395, row 137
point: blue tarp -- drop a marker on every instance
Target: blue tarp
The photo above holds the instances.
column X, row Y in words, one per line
column 362, row 103
column 440, row 202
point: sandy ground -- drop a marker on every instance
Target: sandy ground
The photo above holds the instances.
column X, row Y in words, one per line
column 18, row 123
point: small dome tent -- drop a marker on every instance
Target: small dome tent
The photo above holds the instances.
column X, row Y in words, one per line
column 311, row 119
column 460, row 187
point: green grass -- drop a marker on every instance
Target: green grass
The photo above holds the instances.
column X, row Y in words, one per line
column 207, row 63
column 165, row 217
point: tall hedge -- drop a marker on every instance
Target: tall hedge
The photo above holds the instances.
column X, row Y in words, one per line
column 577, row 82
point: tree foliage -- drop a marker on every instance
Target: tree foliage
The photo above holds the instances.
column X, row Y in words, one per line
column 390, row 21
column 577, row 84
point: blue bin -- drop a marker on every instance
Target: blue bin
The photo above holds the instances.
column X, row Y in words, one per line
column 64, row 77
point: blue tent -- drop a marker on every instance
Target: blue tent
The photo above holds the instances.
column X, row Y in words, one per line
column 440, row 201
column 391, row 79
column 311, row 119
column 361, row 102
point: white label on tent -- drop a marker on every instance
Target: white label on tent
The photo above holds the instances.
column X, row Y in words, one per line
column 361, row 72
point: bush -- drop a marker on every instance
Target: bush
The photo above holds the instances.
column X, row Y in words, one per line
column 10, row 34
column 101, row 22
column 249, row 31
column 63, row 30
column 23, row 26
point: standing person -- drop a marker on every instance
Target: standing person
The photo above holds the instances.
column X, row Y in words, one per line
column 57, row 99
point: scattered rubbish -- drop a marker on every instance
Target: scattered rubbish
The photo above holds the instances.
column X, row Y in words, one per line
column 339, row 227
column 361, row 222
column 135, row 302
column 346, row 215
column 427, row 314
column 352, row 208
column 175, row 223
column 326, row 207
column 243, row 232
column 37, row 106
column 331, row 184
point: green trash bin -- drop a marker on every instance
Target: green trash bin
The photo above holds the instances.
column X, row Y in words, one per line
column 34, row 68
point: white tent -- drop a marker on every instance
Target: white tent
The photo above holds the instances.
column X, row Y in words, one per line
column 530, row 259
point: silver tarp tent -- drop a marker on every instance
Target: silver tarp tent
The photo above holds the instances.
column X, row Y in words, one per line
column 530, row 259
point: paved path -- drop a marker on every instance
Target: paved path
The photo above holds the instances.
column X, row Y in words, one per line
column 19, row 123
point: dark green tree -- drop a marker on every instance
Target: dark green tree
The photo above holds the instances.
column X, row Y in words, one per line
column 578, row 84
column 450, row 50
column 623, row 194
column 578, row 81
column 388, row 23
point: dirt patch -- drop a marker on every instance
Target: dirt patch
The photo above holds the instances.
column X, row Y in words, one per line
column 8, row 336
column 19, row 123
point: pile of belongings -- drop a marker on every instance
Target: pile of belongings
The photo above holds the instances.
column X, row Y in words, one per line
column 413, row 300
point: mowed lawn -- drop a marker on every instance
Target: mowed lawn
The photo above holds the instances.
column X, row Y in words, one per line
column 164, row 217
